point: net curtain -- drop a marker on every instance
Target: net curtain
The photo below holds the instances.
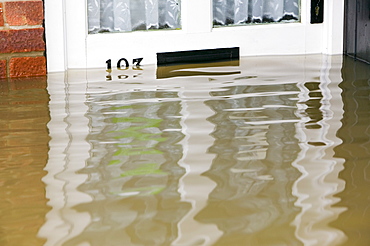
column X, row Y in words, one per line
column 131, row 15
column 226, row 12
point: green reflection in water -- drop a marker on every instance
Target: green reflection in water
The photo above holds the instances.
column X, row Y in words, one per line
column 146, row 169
column 133, row 171
column 134, row 132
column 137, row 151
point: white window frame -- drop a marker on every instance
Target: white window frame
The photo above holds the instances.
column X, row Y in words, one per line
column 69, row 46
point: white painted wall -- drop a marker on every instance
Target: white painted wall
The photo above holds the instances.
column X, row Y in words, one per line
column 69, row 46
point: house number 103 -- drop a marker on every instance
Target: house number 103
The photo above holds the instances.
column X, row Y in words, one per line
column 135, row 63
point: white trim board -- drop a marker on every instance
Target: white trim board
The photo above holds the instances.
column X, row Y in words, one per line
column 69, row 46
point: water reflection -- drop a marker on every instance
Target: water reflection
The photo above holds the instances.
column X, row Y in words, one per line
column 234, row 159
column 355, row 150
column 313, row 104
column 319, row 182
column 68, row 152
column 255, row 146
column 132, row 169
column 199, row 69
column 24, row 139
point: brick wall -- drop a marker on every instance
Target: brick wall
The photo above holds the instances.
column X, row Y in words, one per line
column 22, row 46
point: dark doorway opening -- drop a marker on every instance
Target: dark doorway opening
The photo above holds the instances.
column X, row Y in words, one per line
column 357, row 29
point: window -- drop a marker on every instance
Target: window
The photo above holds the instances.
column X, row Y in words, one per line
column 236, row 12
column 132, row 15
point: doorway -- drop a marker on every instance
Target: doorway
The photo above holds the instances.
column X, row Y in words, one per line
column 357, row 29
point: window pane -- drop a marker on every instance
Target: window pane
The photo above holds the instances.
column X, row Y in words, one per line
column 238, row 12
column 132, row 15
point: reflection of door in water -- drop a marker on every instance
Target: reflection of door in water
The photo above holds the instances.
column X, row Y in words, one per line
column 255, row 145
column 133, row 171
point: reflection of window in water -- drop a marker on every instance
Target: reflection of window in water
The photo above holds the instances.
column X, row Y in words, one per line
column 255, row 145
column 313, row 103
column 132, row 15
column 133, row 171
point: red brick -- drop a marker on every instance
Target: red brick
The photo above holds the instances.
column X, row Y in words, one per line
column 24, row 13
column 27, row 66
column 2, row 69
column 24, row 40
column 1, row 15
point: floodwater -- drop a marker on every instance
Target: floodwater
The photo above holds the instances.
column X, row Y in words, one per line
column 268, row 151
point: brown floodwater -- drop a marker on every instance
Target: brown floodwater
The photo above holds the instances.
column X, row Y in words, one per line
column 266, row 151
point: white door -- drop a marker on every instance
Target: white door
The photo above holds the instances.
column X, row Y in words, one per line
column 70, row 46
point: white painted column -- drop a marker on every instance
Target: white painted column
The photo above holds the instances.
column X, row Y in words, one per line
column 55, row 35
column 333, row 29
column 76, row 26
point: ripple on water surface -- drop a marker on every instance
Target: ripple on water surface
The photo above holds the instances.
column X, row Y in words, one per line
column 266, row 151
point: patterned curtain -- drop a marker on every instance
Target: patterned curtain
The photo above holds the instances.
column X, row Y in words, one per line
column 131, row 15
column 236, row 12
